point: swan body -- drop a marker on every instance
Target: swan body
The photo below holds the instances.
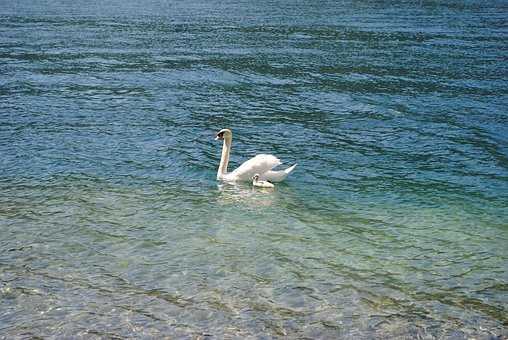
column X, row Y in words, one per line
column 261, row 184
column 261, row 164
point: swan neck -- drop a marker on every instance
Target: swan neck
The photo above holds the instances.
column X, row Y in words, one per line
column 224, row 160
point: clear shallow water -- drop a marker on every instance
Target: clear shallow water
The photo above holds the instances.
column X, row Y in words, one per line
column 395, row 223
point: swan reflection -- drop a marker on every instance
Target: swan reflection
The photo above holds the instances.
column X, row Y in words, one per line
column 245, row 194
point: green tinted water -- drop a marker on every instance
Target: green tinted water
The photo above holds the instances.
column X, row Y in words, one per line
column 394, row 224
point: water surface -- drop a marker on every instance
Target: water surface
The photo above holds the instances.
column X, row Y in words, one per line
column 394, row 225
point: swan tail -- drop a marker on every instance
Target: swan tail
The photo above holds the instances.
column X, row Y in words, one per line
column 277, row 176
column 291, row 168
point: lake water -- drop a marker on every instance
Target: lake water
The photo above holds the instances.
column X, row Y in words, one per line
column 393, row 225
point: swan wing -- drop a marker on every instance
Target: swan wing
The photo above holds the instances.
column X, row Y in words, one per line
column 256, row 165
column 276, row 176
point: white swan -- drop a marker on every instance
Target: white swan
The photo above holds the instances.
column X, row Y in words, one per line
column 261, row 164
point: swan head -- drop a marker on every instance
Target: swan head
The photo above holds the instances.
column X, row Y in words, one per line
column 255, row 177
column 224, row 134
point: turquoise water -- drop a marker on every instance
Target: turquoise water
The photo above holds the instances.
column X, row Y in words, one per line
column 393, row 225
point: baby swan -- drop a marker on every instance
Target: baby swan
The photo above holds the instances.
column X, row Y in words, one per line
column 261, row 184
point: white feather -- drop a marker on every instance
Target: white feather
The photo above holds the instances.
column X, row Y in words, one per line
column 276, row 176
column 261, row 164
column 256, row 165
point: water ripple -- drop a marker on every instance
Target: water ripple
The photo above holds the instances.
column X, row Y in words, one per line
column 393, row 225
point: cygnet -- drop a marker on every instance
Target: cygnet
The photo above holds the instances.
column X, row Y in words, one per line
column 261, row 184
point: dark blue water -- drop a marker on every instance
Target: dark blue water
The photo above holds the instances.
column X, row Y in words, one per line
column 393, row 225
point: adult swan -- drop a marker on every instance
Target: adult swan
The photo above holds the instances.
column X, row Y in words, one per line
column 261, row 164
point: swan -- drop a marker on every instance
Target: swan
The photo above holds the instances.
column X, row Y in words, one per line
column 261, row 184
column 261, row 164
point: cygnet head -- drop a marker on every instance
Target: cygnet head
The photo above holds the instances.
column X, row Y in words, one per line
column 224, row 134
